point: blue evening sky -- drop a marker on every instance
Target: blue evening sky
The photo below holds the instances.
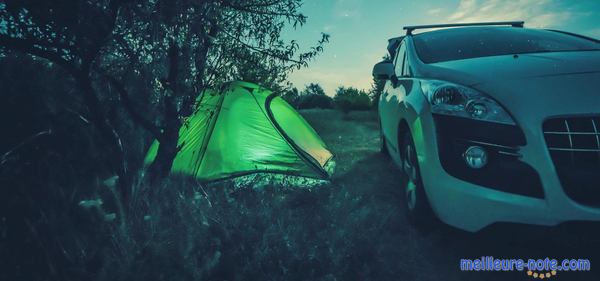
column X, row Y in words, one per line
column 359, row 29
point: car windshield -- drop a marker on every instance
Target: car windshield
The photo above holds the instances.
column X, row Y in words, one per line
column 465, row 43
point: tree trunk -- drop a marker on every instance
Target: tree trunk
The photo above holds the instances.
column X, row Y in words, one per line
column 167, row 150
column 108, row 133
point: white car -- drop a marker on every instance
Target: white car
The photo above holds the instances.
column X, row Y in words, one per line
column 494, row 122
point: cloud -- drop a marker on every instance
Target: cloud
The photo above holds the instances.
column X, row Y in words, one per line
column 465, row 8
column 434, row 12
column 539, row 13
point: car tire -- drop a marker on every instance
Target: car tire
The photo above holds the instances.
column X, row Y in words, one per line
column 416, row 203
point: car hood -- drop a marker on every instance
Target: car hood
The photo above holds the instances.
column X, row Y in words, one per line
column 509, row 67
column 532, row 100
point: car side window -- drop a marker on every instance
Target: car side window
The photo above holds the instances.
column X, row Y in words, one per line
column 400, row 58
column 406, row 68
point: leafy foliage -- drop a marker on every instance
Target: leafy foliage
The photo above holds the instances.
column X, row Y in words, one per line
column 347, row 99
column 313, row 96
column 292, row 96
column 313, row 89
column 50, row 160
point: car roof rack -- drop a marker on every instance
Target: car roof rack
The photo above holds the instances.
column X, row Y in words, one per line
column 409, row 29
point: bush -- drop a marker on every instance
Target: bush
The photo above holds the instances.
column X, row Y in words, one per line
column 315, row 101
column 51, row 159
column 313, row 96
column 292, row 96
column 347, row 99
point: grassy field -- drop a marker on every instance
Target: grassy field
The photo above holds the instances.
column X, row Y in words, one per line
column 353, row 228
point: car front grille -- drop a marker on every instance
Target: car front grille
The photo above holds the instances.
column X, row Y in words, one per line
column 574, row 145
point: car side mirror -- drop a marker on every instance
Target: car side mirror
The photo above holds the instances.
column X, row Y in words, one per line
column 383, row 70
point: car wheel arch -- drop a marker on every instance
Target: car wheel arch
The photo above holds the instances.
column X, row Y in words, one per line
column 403, row 128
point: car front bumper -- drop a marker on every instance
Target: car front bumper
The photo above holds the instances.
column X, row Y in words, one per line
column 472, row 207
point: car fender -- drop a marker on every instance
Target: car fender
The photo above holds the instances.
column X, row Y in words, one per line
column 416, row 112
column 405, row 104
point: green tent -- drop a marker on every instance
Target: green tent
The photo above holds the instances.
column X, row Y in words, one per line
column 246, row 129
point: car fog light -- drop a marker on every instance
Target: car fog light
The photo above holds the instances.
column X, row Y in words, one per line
column 475, row 157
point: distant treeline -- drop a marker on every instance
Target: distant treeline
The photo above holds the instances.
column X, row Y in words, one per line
column 345, row 99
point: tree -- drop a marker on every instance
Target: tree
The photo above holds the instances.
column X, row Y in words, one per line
column 313, row 89
column 69, row 34
column 292, row 96
column 313, row 96
column 347, row 99
column 173, row 50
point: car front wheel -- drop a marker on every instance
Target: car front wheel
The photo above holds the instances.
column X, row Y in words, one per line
column 416, row 202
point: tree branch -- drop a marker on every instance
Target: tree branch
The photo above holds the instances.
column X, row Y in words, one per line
column 130, row 108
column 248, row 7
column 264, row 12
column 264, row 51
column 28, row 46
column 4, row 157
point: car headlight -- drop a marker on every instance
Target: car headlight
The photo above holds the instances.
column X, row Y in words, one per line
column 456, row 100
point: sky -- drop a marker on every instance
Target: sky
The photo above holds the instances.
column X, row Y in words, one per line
column 359, row 29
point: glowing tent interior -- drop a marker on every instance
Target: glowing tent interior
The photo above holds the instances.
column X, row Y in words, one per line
column 247, row 129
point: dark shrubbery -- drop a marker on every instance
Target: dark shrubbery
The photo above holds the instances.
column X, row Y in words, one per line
column 313, row 96
column 347, row 99
column 315, row 101
column 61, row 217
column 51, row 160
column 291, row 96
